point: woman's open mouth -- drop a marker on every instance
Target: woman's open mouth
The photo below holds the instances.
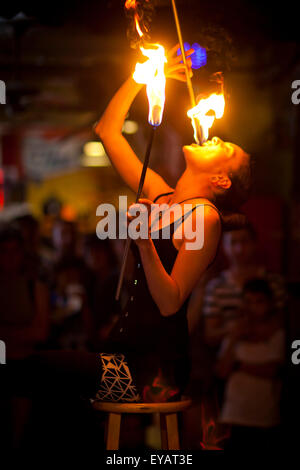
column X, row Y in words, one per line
column 208, row 143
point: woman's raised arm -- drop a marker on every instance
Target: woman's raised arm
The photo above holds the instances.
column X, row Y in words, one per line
column 110, row 126
column 121, row 154
column 170, row 291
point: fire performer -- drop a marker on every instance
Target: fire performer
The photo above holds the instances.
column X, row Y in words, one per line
column 152, row 331
column 149, row 344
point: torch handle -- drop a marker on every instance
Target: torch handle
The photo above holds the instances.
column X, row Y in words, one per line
column 123, row 267
column 138, row 195
column 188, row 78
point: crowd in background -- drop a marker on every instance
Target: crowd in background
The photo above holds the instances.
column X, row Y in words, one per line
column 58, row 292
column 238, row 347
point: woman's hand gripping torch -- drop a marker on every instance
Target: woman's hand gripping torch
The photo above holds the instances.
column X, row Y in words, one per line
column 151, row 73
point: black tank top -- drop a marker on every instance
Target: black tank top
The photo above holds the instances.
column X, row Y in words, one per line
column 149, row 340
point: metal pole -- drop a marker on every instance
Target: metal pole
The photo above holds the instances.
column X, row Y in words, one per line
column 188, row 78
column 139, row 192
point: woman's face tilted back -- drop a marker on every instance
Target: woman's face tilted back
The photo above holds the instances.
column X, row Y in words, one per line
column 214, row 156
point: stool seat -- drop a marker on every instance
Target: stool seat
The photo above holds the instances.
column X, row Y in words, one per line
column 168, row 407
column 168, row 420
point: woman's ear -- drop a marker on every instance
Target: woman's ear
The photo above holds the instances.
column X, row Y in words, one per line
column 220, row 181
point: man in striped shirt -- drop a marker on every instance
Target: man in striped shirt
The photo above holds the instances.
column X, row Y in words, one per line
column 223, row 295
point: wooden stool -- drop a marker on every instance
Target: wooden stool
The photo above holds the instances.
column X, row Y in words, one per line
column 168, row 420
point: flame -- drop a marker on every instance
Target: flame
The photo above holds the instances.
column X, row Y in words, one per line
column 215, row 103
column 130, row 4
column 133, row 5
column 151, row 73
column 137, row 25
column 211, row 438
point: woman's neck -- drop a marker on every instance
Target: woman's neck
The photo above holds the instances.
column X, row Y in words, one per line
column 189, row 187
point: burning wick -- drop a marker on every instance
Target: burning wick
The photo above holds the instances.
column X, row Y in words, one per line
column 137, row 25
column 133, row 5
column 151, row 73
column 205, row 113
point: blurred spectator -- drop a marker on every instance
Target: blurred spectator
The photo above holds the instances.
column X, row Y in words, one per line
column 103, row 268
column 100, row 257
column 251, row 357
column 68, row 286
column 33, row 264
column 223, row 294
column 24, row 313
column 69, row 306
column 220, row 302
column 24, row 320
column 64, row 239
column 58, row 241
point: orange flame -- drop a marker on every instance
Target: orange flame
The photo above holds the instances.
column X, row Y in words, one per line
column 206, row 111
column 210, row 438
column 133, row 5
column 151, row 73
column 137, row 25
column 130, row 4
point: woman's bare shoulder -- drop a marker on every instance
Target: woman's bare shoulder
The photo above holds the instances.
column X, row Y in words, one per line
column 211, row 212
column 163, row 198
column 209, row 220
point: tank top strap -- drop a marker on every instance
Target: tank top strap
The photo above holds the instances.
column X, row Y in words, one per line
column 204, row 204
column 163, row 194
column 190, row 198
column 188, row 213
column 184, row 216
column 178, row 222
column 216, row 209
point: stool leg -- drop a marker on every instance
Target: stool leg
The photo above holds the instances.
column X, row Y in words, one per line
column 172, row 431
column 113, row 431
column 163, row 432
